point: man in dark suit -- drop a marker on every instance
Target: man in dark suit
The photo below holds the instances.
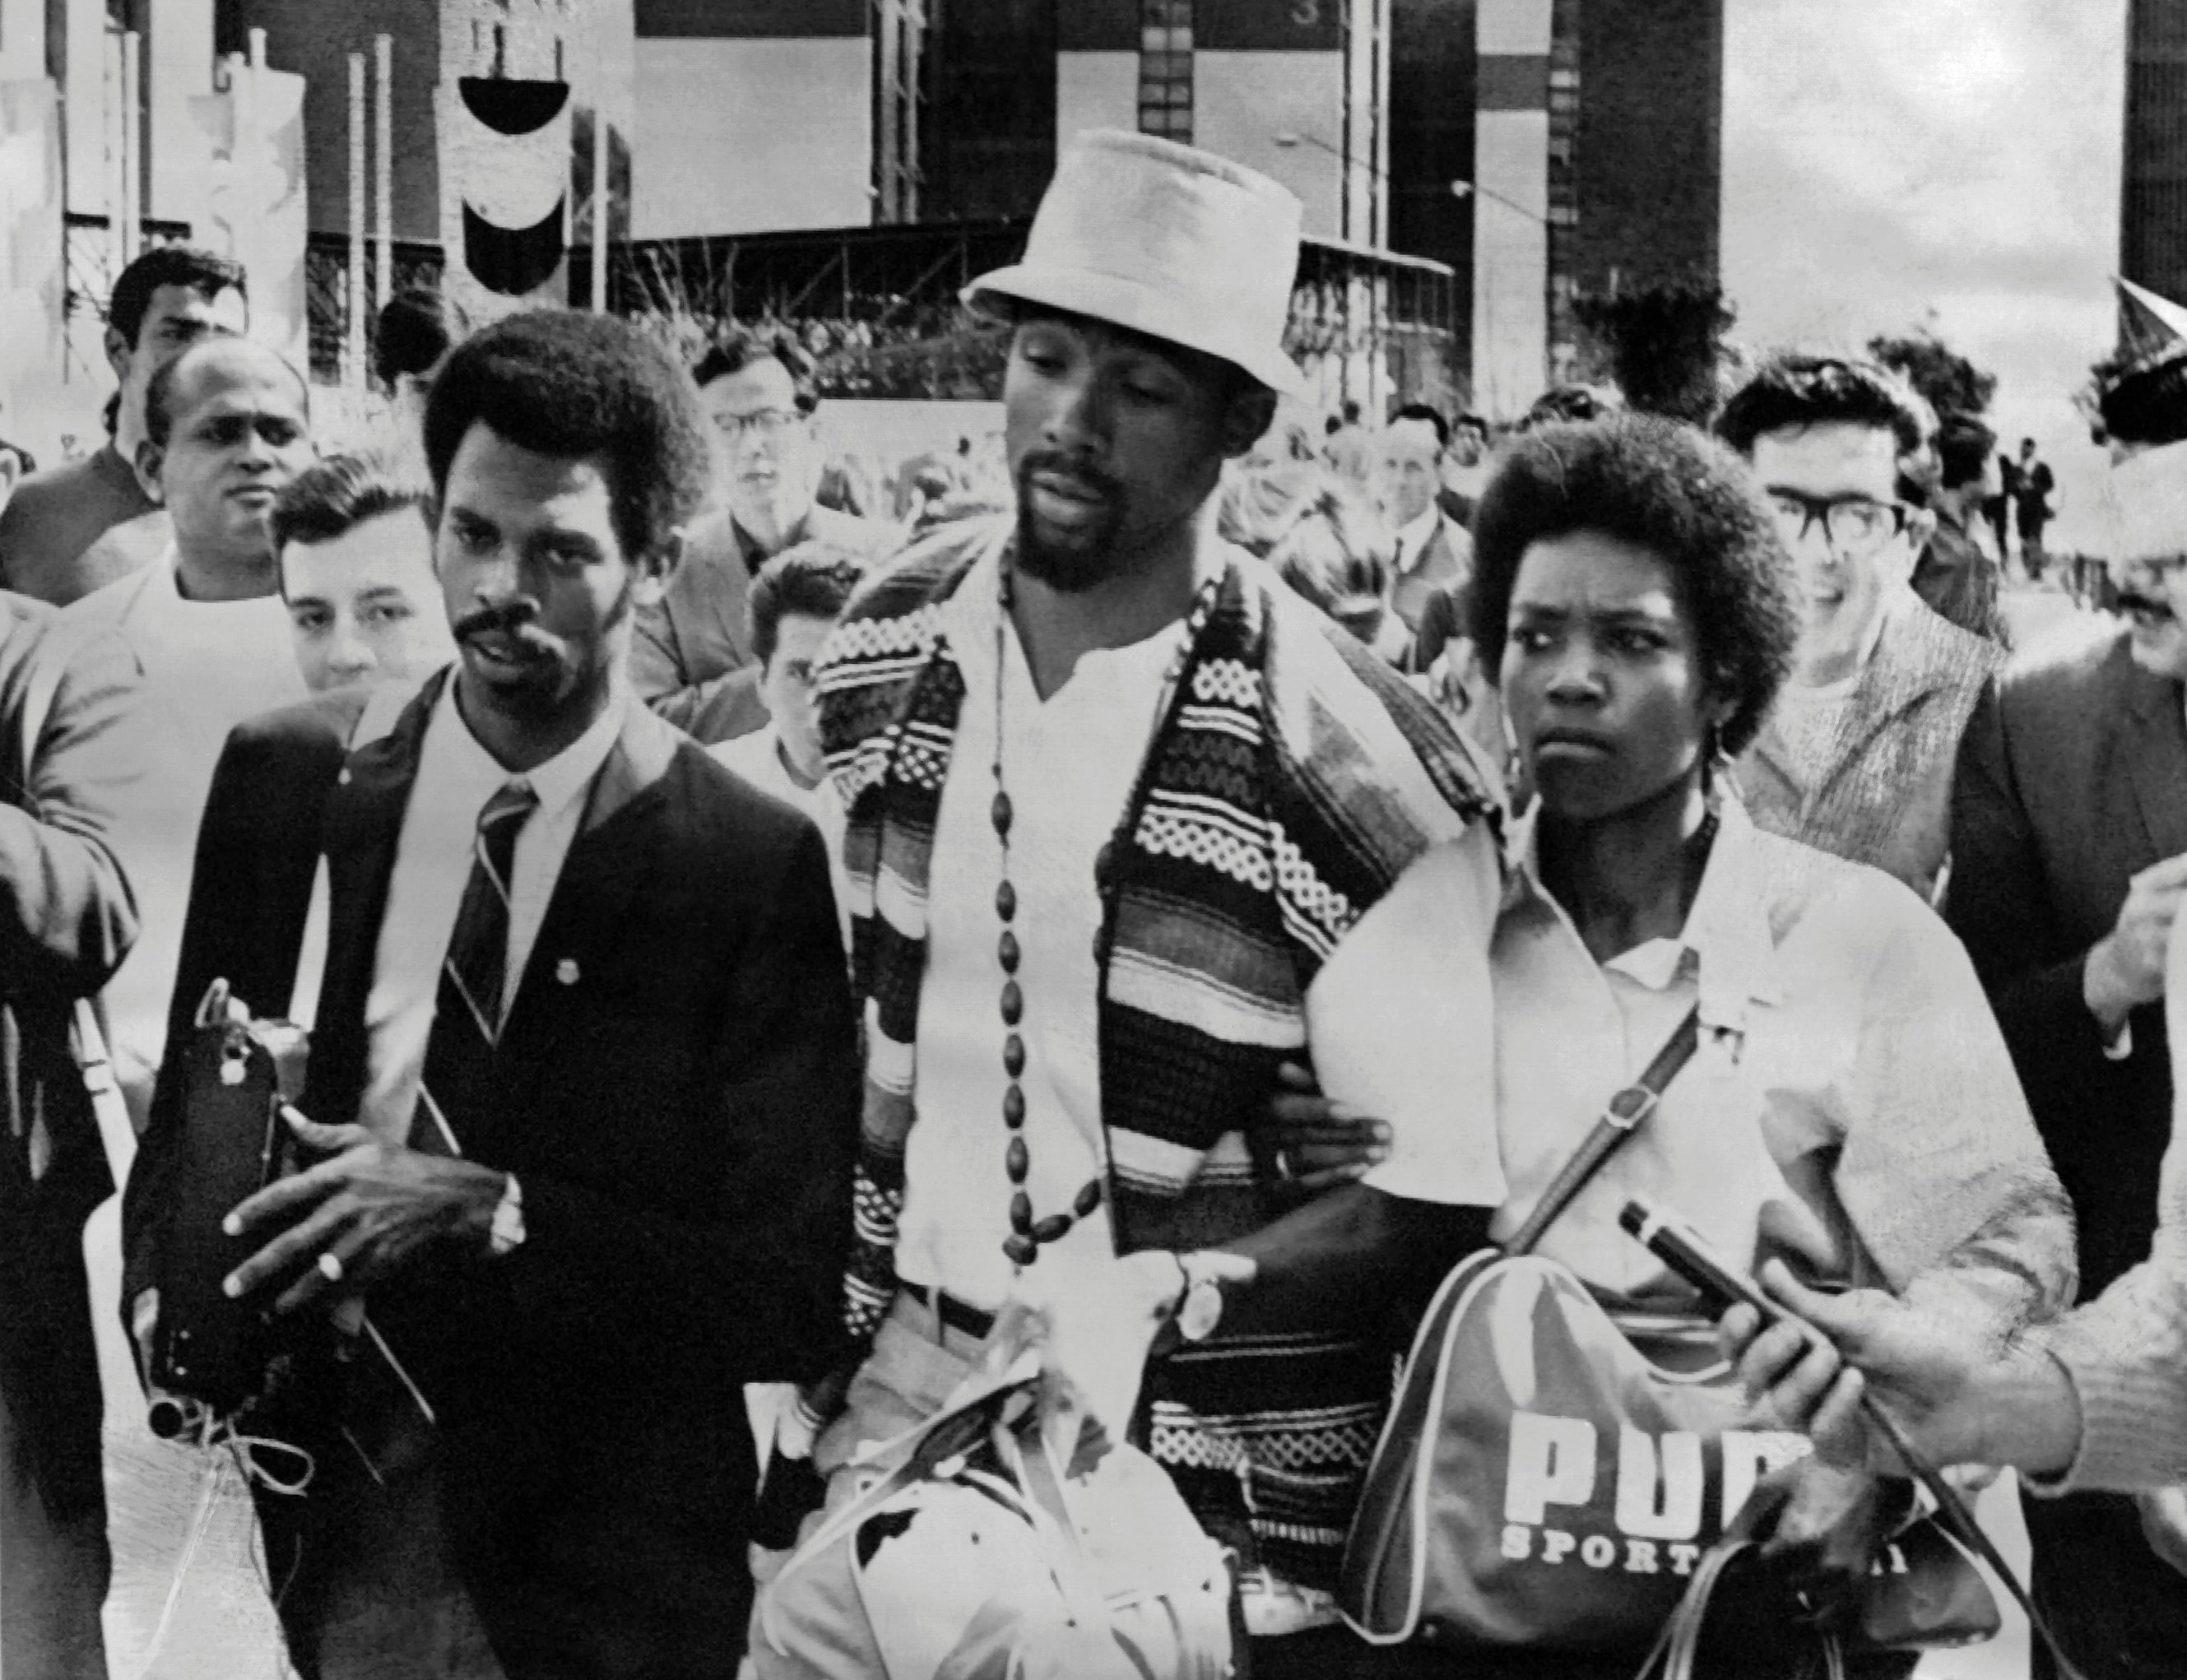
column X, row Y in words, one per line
column 2069, row 848
column 582, row 1084
column 693, row 661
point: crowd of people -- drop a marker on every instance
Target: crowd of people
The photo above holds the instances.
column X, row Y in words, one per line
column 1164, row 896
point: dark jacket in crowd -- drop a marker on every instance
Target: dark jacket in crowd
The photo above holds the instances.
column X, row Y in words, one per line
column 78, row 526
column 676, row 1093
column 66, row 921
column 692, row 659
column 1960, row 582
column 2073, row 779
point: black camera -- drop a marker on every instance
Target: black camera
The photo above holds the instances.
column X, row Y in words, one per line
column 210, row 1354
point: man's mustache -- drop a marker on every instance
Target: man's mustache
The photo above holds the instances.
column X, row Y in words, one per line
column 510, row 618
column 2134, row 601
column 1066, row 466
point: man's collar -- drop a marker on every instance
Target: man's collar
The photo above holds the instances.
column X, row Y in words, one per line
column 748, row 546
column 561, row 780
column 1726, row 937
column 1414, row 536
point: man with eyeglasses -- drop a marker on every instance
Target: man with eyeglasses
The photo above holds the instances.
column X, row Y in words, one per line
column 1857, row 758
column 692, row 659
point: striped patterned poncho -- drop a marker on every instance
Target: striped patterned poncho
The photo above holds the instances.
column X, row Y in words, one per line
column 1290, row 780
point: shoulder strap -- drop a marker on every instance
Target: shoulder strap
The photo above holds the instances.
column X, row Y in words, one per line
column 1621, row 1115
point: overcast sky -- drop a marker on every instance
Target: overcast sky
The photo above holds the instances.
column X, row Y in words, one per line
column 1888, row 162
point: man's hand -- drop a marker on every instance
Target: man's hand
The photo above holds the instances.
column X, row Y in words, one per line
column 143, row 1320
column 1319, row 1143
column 1926, row 1371
column 1823, row 1526
column 371, row 1207
column 2126, row 967
column 2164, row 1524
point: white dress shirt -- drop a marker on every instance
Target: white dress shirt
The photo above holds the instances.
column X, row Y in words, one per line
column 1418, row 1053
column 456, row 778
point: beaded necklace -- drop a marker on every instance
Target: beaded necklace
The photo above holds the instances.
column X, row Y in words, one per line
column 1029, row 1234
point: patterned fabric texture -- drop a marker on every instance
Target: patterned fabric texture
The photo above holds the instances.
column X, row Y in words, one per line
column 1881, row 792
column 1290, row 780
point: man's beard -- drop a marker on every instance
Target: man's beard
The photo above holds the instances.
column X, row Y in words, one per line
column 1088, row 556
column 556, row 677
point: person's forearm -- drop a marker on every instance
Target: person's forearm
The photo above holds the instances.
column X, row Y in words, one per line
column 1353, row 1250
column 2016, row 1269
column 2027, row 1413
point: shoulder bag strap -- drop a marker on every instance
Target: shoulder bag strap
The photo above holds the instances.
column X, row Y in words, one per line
column 1621, row 1115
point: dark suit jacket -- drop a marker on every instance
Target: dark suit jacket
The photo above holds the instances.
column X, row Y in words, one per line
column 691, row 660
column 2073, row 779
column 55, row 530
column 678, row 1099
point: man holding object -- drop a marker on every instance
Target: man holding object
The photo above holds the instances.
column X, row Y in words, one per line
column 581, row 1089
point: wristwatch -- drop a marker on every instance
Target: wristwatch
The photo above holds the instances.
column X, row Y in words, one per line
column 507, row 1231
column 1200, row 1308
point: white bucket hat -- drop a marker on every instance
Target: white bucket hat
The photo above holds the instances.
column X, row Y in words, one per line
column 1169, row 241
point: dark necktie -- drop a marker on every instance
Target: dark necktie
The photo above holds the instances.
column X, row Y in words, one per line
column 467, row 1014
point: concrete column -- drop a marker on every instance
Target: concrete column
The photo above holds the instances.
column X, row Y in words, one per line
column 86, row 141
column 177, row 68
column 22, row 40
column 1511, row 206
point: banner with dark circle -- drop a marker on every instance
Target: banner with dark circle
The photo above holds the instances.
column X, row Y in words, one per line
column 514, row 262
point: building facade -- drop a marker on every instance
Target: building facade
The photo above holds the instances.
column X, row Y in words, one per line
column 2153, row 202
column 1597, row 166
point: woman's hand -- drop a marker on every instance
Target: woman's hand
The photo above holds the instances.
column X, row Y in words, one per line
column 1821, row 1527
column 2164, row 1524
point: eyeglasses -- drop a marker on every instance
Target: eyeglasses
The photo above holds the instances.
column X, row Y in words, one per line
column 1855, row 526
column 767, row 424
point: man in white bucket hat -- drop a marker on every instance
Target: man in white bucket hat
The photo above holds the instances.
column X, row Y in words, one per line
column 1130, row 825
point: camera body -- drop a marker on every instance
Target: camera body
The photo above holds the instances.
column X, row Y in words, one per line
column 206, row 1348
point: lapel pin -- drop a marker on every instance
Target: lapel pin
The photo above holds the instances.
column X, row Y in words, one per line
column 566, row 971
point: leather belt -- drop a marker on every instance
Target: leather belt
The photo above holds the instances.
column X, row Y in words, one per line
column 958, row 1315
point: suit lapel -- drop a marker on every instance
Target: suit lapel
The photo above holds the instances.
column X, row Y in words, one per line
column 363, row 826
column 2153, row 733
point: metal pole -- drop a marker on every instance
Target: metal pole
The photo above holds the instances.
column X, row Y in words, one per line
column 353, row 348
column 383, row 167
column 600, row 214
column 131, row 210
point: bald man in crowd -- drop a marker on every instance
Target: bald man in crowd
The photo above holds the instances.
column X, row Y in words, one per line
column 71, row 530
column 226, row 424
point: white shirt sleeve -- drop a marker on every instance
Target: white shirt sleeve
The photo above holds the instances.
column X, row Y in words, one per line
column 1402, row 1027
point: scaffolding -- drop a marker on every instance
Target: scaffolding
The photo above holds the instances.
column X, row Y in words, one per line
column 91, row 262
column 878, row 306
